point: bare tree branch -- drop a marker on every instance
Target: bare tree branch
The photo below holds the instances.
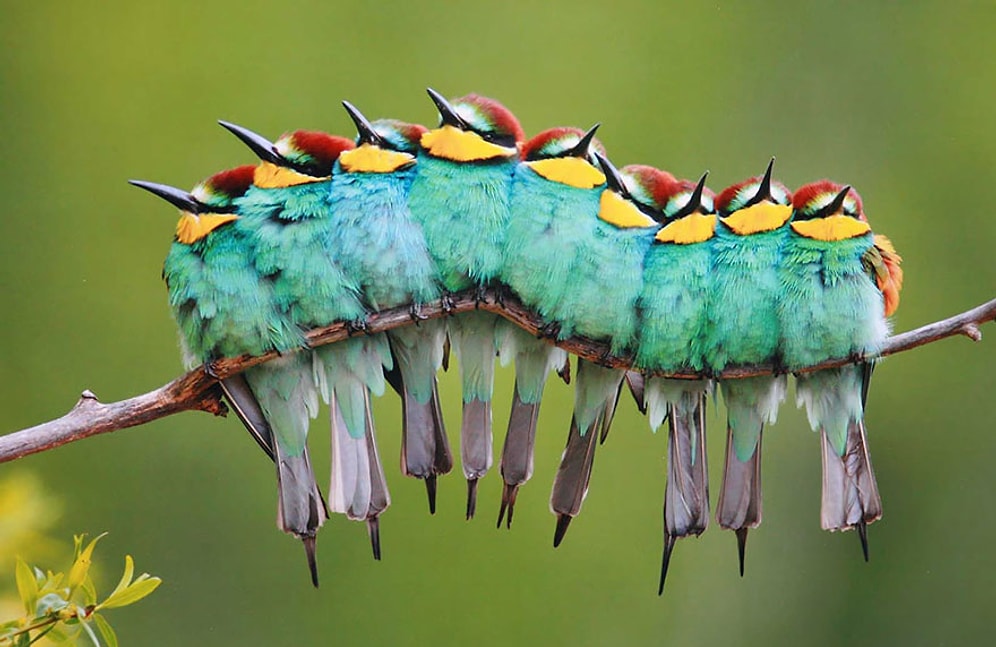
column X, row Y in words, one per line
column 198, row 390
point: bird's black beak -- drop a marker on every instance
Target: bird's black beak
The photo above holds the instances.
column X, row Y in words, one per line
column 581, row 149
column 612, row 177
column 364, row 129
column 447, row 112
column 695, row 202
column 261, row 146
column 837, row 203
column 764, row 188
column 176, row 197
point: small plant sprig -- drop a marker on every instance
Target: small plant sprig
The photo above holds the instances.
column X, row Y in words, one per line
column 62, row 608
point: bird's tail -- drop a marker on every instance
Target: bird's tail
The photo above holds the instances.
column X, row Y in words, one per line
column 425, row 448
column 686, row 499
column 358, row 488
column 596, row 390
column 473, row 336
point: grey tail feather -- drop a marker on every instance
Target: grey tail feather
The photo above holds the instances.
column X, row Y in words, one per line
column 393, row 376
column 446, row 353
column 301, row 510
column 563, row 521
column 609, row 414
column 637, row 387
column 417, row 436
column 739, row 506
column 509, row 492
column 443, row 457
column 380, row 497
column 850, row 492
column 309, row 551
column 373, row 529
column 863, row 535
column 741, row 547
column 669, row 542
column 471, row 498
column 430, row 492
column 517, row 452
column 247, row 408
column 571, row 483
column 476, row 447
column 686, row 500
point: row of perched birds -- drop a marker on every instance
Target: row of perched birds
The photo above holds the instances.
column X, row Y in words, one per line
column 326, row 229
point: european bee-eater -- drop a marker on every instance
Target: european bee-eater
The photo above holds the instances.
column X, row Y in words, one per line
column 840, row 282
column 460, row 196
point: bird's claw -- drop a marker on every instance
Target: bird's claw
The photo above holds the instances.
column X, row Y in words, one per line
column 447, row 302
column 356, row 326
column 415, row 312
column 550, row 330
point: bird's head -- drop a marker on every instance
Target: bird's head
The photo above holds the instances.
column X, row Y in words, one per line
column 382, row 146
column 629, row 199
column 829, row 212
column 208, row 206
column 756, row 205
column 566, row 156
column 473, row 129
column 690, row 216
column 298, row 157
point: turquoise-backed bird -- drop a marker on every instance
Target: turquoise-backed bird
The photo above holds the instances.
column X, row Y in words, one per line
column 225, row 308
column 289, row 212
column 556, row 188
column 379, row 244
column 460, row 196
column 674, row 321
column 607, row 278
column 744, row 329
column 840, row 282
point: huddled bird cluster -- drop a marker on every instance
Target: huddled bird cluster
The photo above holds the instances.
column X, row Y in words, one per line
column 327, row 229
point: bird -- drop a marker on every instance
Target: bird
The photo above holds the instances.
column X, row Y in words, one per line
column 744, row 329
column 225, row 308
column 673, row 309
column 290, row 212
column 840, row 283
column 460, row 197
column 607, row 278
column 556, row 187
column 379, row 244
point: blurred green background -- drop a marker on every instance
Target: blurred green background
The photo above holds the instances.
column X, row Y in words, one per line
column 897, row 101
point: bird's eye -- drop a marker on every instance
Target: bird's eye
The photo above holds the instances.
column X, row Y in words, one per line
column 506, row 141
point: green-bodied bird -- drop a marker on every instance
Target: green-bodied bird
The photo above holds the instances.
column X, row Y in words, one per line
column 674, row 320
column 290, row 214
column 460, row 196
column 607, row 278
column 840, row 282
column 556, row 187
column 744, row 329
column 383, row 248
column 225, row 308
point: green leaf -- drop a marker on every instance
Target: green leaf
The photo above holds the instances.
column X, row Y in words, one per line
column 137, row 590
column 27, row 585
column 57, row 634
column 110, row 637
column 89, row 591
column 89, row 632
column 81, row 565
column 125, row 580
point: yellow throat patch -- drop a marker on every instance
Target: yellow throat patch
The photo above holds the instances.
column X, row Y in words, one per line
column 617, row 210
column 270, row 176
column 831, row 228
column 693, row 228
column 572, row 171
column 449, row 142
column 374, row 159
column 193, row 227
column 758, row 218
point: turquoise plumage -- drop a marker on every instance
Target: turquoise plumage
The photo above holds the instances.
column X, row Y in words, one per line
column 673, row 327
column 555, row 188
column 840, row 283
column 744, row 329
column 460, row 198
column 607, row 278
column 379, row 244
column 225, row 308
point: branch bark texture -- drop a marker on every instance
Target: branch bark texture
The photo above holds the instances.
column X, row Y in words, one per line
column 198, row 390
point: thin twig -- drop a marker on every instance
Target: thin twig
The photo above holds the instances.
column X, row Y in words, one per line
column 198, row 391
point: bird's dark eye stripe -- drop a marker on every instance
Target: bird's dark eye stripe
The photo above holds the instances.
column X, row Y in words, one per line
column 508, row 141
